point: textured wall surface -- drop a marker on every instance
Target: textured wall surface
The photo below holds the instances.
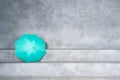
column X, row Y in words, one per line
column 82, row 36
column 93, row 24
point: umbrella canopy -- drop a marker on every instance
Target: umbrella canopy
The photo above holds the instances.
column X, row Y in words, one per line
column 30, row 48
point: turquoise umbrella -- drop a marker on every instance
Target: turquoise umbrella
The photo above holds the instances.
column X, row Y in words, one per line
column 30, row 48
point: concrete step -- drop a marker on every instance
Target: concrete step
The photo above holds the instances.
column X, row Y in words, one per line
column 59, row 78
column 63, row 65
column 60, row 69
column 68, row 56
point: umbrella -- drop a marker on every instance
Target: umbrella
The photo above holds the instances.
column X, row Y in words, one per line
column 30, row 48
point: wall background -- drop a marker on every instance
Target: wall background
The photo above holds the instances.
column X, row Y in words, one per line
column 81, row 24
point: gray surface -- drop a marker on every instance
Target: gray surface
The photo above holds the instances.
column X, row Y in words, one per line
column 60, row 70
column 85, row 24
column 69, row 27
column 57, row 78
column 69, row 56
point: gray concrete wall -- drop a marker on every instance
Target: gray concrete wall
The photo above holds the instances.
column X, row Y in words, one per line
column 82, row 24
